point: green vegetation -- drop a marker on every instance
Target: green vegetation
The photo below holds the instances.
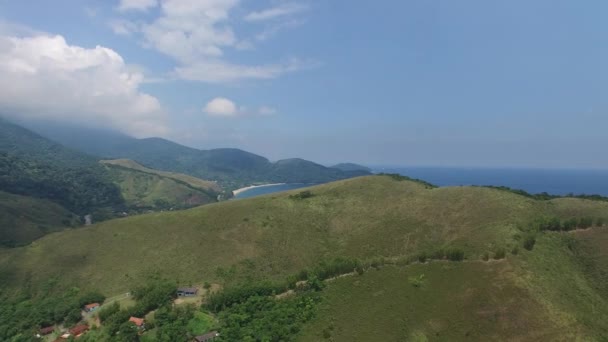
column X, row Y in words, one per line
column 21, row 317
column 351, row 249
column 34, row 166
column 399, row 177
column 24, row 219
column 147, row 189
column 263, row 318
column 231, row 168
column 432, row 301
column 351, row 167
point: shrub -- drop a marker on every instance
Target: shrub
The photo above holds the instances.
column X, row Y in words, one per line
column 486, row 256
column 585, row 222
column 529, row 242
column 500, row 254
column 570, row 224
column 455, row 254
column 302, row 195
column 422, row 257
column 438, row 255
column 416, row 281
column 599, row 222
column 515, row 250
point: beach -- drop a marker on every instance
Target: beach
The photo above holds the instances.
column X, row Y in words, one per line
column 238, row 191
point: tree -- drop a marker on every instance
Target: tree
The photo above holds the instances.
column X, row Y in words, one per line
column 127, row 333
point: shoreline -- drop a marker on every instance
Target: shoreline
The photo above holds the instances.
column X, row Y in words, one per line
column 238, row 191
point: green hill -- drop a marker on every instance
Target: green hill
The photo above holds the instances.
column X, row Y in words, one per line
column 24, row 219
column 543, row 284
column 35, row 166
column 351, row 167
column 232, row 168
column 145, row 188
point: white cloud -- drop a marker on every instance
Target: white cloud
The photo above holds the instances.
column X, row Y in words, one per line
column 42, row 76
column 267, row 111
column 223, row 107
column 196, row 34
column 122, row 27
column 136, row 5
column 276, row 12
column 217, row 71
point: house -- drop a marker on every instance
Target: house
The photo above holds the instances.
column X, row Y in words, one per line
column 91, row 307
column 79, row 330
column 47, row 330
column 139, row 322
column 208, row 337
column 187, row 291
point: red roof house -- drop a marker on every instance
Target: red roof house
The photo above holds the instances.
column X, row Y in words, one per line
column 91, row 307
column 139, row 322
column 79, row 330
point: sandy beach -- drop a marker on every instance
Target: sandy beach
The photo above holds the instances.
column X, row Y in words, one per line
column 238, row 191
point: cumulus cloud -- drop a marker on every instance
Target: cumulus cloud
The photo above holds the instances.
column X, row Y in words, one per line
column 196, row 34
column 223, row 107
column 281, row 10
column 42, row 76
column 136, row 5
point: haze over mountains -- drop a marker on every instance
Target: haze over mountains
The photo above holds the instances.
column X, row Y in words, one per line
column 232, row 168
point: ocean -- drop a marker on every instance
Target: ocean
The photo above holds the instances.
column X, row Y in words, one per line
column 552, row 181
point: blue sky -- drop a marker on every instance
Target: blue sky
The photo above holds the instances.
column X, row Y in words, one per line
column 448, row 83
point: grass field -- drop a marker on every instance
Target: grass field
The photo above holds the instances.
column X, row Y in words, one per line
column 274, row 236
column 456, row 302
column 24, row 219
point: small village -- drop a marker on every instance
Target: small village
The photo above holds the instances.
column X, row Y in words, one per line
column 90, row 319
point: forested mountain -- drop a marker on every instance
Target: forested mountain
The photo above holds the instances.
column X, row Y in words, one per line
column 32, row 165
column 231, row 167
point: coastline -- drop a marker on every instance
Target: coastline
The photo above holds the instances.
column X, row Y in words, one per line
column 238, row 191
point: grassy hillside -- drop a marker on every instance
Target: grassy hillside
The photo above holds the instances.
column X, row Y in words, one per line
column 275, row 235
column 144, row 188
column 24, row 219
column 381, row 220
column 189, row 180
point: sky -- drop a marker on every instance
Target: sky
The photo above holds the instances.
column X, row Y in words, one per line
column 472, row 83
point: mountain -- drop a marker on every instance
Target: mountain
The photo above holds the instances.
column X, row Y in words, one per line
column 454, row 263
column 145, row 188
column 231, row 168
column 351, row 167
column 24, row 219
column 31, row 165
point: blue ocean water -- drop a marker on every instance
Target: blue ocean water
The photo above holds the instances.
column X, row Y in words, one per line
column 270, row 189
column 553, row 181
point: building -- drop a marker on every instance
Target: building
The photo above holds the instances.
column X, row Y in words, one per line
column 47, row 330
column 91, row 307
column 79, row 330
column 139, row 322
column 208, row 337
column 187, row 291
